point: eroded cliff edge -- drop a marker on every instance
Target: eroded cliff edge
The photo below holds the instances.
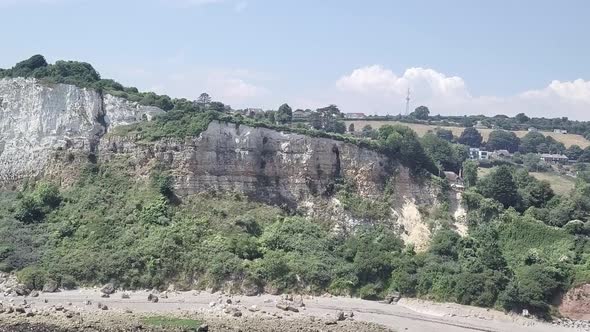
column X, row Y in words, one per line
column 52, row 131
column 37, row 119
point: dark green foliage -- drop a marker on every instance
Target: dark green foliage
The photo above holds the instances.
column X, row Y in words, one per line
column 445, row 134
column 35, row 205
column 369, row 132
column 535, row 142
column 82, row 74
column 470, row 173
column 175, row 123
column 574, row 152
column 449, row 156
column 500, row 186
column 284, row 114
column 328, row 119
column 503, row 140
column 401, row 142
column 470, row 137
column 421, row 113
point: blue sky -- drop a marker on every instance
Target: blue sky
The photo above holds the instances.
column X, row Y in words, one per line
column 457, row 57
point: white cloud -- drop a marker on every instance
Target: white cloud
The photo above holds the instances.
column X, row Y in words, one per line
column 375, row 89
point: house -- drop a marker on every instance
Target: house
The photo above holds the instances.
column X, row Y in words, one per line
column 532, row 129
column 301, row 114
column 501, row 154
column 477, row 154
column 251, row 112
column 554, row 158
column 354, row 115
column 560, row 131
column 456, row 181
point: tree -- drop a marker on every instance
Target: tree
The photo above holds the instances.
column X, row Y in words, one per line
column 368, row 132
column 216, row 106
column 284, row 114
column 204, row 99
column 574, row 152
column 421, row 113
column 471, row 137
column 445, row 134
column 401, row 142
column 585, row 156
column 503, row 140
column 522, row 118
column 24, row 68
column 500, row 185
column 531, row 141
column 327, row 119
column 449, row 156
column 470, row 173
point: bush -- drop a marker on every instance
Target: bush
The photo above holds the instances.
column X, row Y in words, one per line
column 34, row 206
column 32, row 277
column 370, row 292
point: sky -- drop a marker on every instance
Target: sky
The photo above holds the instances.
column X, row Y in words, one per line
column 456, row 56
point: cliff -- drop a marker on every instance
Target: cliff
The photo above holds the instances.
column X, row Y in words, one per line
column 271, row 166
column 53, row 130
column 37, row 119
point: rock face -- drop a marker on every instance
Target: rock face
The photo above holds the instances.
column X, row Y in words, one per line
column 37, row 119
column 575, row 304
column 53, row 129
column 270, row 166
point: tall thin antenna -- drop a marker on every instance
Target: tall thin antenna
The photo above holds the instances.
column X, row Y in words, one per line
column 408, row 103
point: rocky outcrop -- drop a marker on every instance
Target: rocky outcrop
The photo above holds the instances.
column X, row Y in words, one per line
column 37, row 119
column 271, row 166
column 575, row 304
column 53, row 129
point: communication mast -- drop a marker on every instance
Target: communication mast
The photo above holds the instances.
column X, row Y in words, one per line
column 408, row 103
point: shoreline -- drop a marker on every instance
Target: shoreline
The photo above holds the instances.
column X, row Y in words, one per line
column 84, row 310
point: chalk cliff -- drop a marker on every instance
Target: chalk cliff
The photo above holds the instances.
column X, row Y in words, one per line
column 37, row 119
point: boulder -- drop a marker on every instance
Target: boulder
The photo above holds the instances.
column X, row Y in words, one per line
column 125, row 296
column 203, row 328
column 34, row 294
column 153, row 298
column 20, row 290
column 340, row 316
column 250, row 288
column 392, row 297
column 108, row 289
column 287, row 307
column 50, row 287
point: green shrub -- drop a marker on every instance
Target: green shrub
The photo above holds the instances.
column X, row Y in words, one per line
column 370, row 292
column 32, row 277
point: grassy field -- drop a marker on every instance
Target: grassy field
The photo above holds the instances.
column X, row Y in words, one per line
column 560, row 184
column 421, row 129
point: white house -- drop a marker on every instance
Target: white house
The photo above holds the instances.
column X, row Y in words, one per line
column 477, row 154
column 560, row 131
